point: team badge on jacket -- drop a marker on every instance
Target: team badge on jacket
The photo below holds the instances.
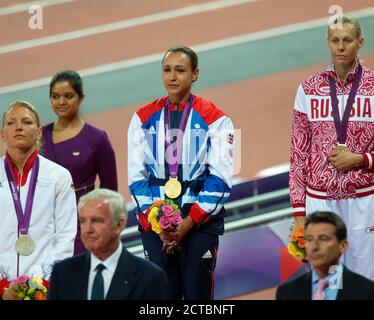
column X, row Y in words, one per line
column 230, row 138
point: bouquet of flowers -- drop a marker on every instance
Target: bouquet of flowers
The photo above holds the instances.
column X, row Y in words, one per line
column 296, row 247
column 26, row 288
column 4, row 283
column 164, row 216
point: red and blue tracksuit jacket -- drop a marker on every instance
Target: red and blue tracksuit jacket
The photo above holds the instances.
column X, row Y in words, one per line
column 206, row 165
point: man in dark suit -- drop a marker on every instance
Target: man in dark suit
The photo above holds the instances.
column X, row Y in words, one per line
column 325, row 242
column 107, row 270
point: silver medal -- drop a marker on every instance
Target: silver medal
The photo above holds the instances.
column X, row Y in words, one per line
column 25, row 245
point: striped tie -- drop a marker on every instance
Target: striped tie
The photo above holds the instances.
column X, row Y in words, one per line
column 320, row 293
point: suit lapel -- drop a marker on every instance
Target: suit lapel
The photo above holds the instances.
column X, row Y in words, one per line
column 346, row 292
column 308, row 286
column 125, row 277
column 81, row 271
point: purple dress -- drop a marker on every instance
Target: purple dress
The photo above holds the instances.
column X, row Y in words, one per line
column 86, row 155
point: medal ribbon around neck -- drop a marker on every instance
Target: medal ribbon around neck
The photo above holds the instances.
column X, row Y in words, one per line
column 173, row 187
column 23, row 218
column 341, row 127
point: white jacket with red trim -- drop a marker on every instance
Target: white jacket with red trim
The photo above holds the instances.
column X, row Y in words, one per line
column 207, row 151
column 314, row 137
column 53, row 223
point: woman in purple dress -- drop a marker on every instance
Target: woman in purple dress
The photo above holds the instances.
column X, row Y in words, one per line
column 71, row 142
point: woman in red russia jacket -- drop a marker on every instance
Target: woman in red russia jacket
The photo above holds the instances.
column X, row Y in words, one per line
column 332, row 152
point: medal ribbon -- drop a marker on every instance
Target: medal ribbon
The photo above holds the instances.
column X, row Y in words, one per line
column 341, row 127
column 23, row 218
column 173, row 167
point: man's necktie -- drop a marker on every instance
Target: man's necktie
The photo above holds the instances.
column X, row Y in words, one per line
column 320, row 293
column 98, row 284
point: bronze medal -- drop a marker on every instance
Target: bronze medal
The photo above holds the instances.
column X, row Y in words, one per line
column 25, row 245
column 341, row 147
column 173, row 188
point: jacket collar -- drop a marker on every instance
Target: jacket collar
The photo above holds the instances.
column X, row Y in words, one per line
column 350, row 76
column 125, row 277
column 180, row 107
column 81, row 273
column 346, row 292
column 29, row 163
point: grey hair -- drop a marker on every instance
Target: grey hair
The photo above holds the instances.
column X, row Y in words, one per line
column 348, row 19
column 116, row 203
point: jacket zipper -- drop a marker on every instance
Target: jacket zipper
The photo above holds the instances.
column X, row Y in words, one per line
column 340, row 174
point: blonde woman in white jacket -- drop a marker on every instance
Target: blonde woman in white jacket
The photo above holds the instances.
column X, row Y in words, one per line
column 37, row 203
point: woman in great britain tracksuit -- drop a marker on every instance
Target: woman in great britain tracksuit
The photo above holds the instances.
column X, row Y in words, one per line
column 202, row 136
column 38, row 210
column 332, row 150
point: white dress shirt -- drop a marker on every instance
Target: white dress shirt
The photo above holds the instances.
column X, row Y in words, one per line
column 110, row 267
column 335, row 279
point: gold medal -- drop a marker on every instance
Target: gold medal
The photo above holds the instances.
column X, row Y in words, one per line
column 173, row 188
column 25, row 245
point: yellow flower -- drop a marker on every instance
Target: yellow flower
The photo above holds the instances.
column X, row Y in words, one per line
column 155, row 226
column 153, row 214
column 36, row 282
column 291, row 248
column 151, row 219
column 299, row 255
